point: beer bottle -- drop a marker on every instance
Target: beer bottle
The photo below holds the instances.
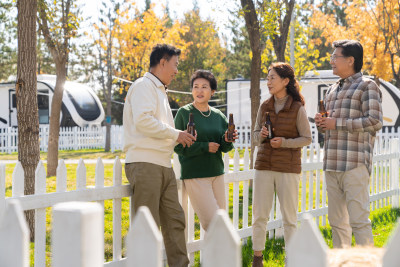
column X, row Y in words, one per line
column 268, row 125
column 231, row 128
column 190, row 125
column 321, row 109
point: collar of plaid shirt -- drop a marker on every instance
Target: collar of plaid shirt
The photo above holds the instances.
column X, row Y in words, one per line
column 349, row 79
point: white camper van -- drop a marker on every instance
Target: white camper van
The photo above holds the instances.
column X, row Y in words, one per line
column 313, row 85
column 80, row 105
column 238, row 99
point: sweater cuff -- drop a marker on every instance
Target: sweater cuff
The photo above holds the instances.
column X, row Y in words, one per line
column 175, row 134
column 284, row 142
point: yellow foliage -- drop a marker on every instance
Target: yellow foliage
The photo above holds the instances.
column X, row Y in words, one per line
column 369, row 25
column 136, row 37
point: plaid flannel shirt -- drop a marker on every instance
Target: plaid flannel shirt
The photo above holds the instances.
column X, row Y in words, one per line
column 356, row 104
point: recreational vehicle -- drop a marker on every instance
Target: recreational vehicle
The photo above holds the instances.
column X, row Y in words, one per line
column 80, row 105
column 313, row 85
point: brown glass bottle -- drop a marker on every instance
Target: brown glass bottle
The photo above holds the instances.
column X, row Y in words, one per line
column 190, row 126
column 268, row 125
column 321, row 109
column 231, row 128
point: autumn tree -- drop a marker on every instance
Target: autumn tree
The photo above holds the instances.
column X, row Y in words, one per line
column 307, row 55
column 238, row 58
column 136, row 36
column 58, row 22
column 282, row 10
column 255, row 32
column 45, row 62
column 203, row 51
column 265, row 20
column 376, row 26
column 8, row 35
column 105, row 44
column 26, row 94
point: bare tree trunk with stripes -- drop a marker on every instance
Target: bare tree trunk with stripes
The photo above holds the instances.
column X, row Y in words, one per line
column 26, row 94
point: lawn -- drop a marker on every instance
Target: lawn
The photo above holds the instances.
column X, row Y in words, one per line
column 383, row 219
column 72, row 154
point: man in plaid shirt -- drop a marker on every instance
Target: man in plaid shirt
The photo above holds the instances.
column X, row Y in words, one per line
column 354, row 109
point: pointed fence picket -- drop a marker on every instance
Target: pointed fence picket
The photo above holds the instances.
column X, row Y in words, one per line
column 308, row 248
column 77, row 235
column 222, row 244
column 40, row 218
column 391, row 258
column 384, row 191
column 14, row 237
column 144, row 241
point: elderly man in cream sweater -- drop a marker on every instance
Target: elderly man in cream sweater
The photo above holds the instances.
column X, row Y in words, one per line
column 150, row 138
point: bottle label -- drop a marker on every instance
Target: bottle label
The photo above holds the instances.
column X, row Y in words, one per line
column 191, row 130
column 231, row 130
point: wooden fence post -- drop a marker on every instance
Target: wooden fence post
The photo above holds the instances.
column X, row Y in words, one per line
column 2, row 190
column 14, row 237
column 40, row 217
column 117, row 211
column 307, row 247
column 221, row 243
column 394, row 172
column 78, row 235
column 391, row 258
column 144, row 241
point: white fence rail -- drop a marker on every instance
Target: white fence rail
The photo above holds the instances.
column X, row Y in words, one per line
column 384, row 190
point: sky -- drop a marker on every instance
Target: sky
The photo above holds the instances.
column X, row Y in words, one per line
column 218, row 10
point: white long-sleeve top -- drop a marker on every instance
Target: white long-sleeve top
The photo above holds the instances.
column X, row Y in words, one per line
column 149, row 131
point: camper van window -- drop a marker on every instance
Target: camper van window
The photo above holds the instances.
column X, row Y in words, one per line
column 84, row 102
column 43, row 101
column 82, row 98
column 14, row 101
column 43, row 106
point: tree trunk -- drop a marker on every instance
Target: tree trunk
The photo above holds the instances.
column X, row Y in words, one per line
column 253, row 28
column 108, row 124
column 26, row 94
column 52, row 155
column 109, row 86
column 279, row 42
column 255, row 93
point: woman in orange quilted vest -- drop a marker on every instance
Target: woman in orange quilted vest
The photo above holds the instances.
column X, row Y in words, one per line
column 281, row 130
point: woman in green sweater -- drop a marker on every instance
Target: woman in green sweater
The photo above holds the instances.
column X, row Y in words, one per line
column 202, row 169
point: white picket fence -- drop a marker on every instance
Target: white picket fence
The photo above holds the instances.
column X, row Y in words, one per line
column 384, row 190
column 70, row 138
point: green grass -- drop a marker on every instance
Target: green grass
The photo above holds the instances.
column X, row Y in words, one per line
column 72, row 154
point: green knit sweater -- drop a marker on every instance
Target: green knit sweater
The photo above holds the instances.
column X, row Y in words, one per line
column 196, row 160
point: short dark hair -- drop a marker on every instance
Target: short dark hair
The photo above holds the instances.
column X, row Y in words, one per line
column 351, row 48
column 205, row 74
column 161, row 51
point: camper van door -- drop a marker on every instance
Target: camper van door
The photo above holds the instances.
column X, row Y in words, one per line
column 12, row 99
